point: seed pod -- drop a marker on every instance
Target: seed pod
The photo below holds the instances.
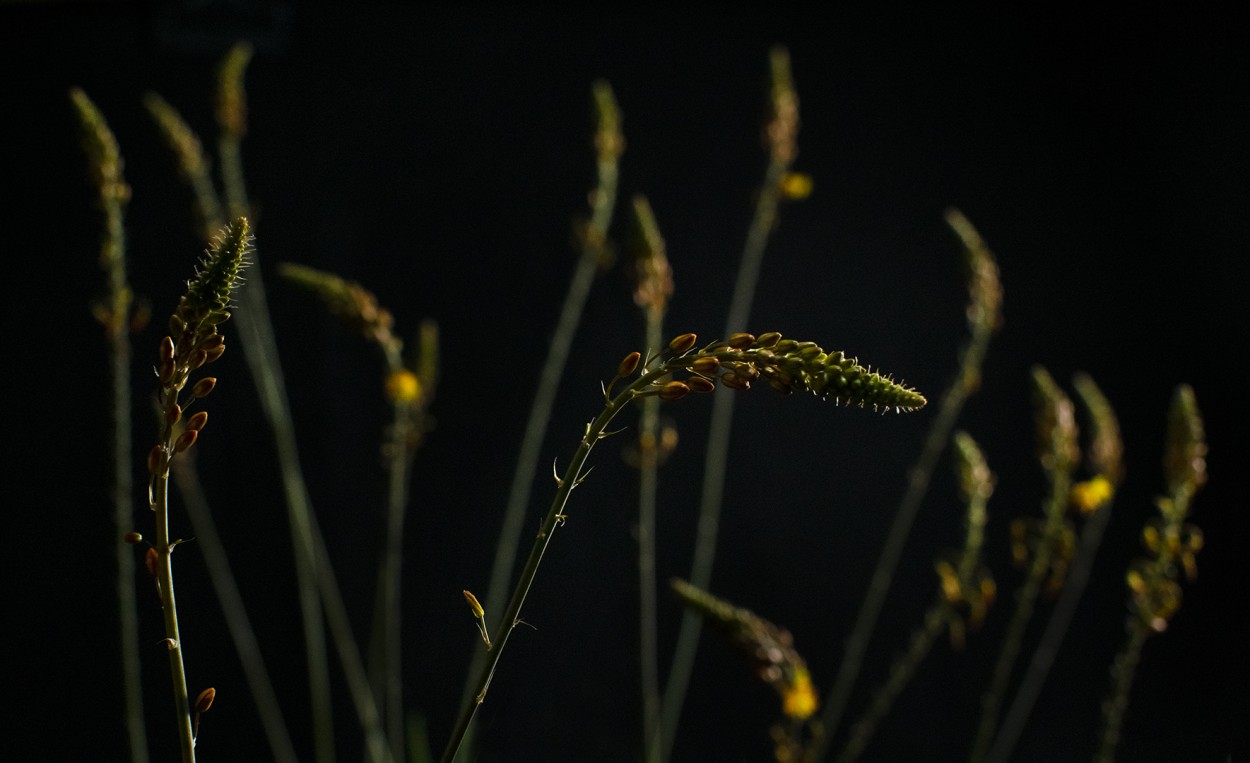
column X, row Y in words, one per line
column 204, row 386
column 741, row 341
column 628, row 365
column 197, row 422
column 700, row 384
column 675, row 390
column 132, row 538
column 205, row 700
column 682, row 344
column 185, row 440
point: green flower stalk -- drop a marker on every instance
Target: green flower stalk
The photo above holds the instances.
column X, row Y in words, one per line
column 116, row 316
column 773, row 658
column 785, row 364
column 984, row 315
column 193, row 343
column 1058, row 452
column 1172, row 545
column 966, row 592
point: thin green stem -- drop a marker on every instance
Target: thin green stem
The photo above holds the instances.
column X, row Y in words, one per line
column 648, row 486
column 555, row 516
column 1026, row 599
column 603, row 204
column 901, row 672
column 165, row 582
column 207, row 539
column 1125, row 670
column 1044, row 656
column 715, row 463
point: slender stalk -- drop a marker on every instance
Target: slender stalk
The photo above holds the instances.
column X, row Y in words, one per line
column 904, row 667
column 165, row 582
column 653, row 286
column 105, row 162
column 265, row 699
column 780, row 138
column 595, row 431
column 1058, row 454
column 983, row 319
column 609, row 144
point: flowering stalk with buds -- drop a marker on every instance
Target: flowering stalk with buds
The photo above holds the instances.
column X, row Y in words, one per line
column 193, row 343
column 737, row 362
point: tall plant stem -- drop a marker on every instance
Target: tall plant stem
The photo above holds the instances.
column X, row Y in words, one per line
column 208, row 540
column 983, row 313
column 1044, row 656
column 648, row 487
column 165, row 581
column 595, row 431
column 603, row 203
column 715, row 464
column 1026, row 599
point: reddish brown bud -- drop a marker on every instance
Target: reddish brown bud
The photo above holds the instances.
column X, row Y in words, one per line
column 185, row 440
column 699, row 384
column 215, row 353
column 204, row 386
column 205, row 700
column 733, row 381
column 705, row 365
column 150, row 560
column 176, row 325
column 682, row 344
column 628, row 365
column 167, row 372
column 197, row 422
column 154, row 459
column 213, row 340
column 132, row 538
column 198, row 358
column 741, row 341
column 173, row 414
column 674, row 390
column 167, row 350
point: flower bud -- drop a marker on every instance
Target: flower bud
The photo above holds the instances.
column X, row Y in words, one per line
column 700, row 384
column 215, row 353
column 741, row 341
column 173, row 415
column 154, row 459
column 197, row 422
column 167, row 349
column 205, row 700
column 132, row 538
column 149, row 561
column 628, row 365
column 675, row 390
column 204, row 386
column 682, row 344
column 198, row 358
column 185, row 440
column 705, row 365
column 767, row 339
column 476, row 608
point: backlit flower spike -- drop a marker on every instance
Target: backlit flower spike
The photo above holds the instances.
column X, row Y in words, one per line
column 769, row 647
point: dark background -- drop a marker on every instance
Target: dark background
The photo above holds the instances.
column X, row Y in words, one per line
column 438, row 156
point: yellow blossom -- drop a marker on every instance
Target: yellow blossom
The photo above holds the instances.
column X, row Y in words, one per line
column 798, row 699
column 402, row 386
column 796, row 185
column 1092, row 494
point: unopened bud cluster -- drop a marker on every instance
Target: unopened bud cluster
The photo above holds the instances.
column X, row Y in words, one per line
column 786, row 365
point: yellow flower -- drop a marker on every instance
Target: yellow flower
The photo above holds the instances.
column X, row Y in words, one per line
column 1092, row 494
column 402, row 386
column 796, row 185
column 798, row 699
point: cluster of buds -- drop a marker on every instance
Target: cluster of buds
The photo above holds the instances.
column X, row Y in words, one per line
column 769, row 647
column 785, row 365
column 354, row 305
column 194, row 341
column 1171, row 541
column 966, row 585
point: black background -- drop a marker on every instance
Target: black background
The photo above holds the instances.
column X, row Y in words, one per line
column 439, row 156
